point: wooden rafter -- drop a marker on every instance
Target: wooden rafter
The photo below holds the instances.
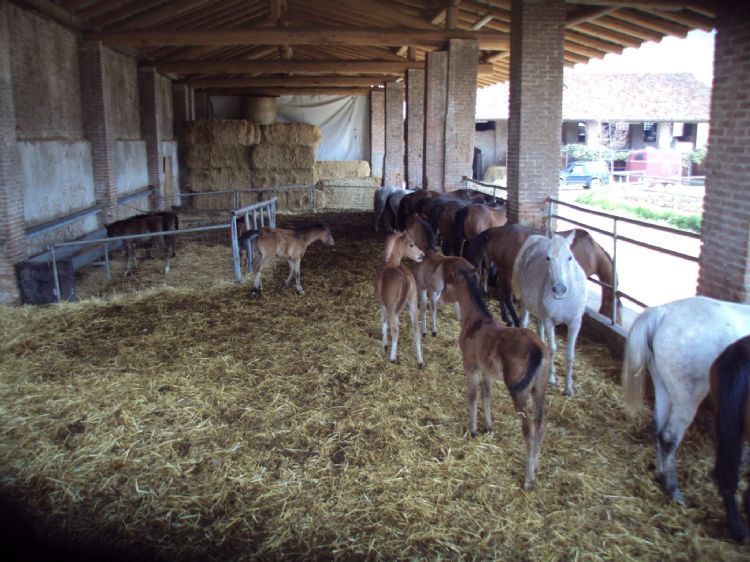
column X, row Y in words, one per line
column 289, row 81
column 653, row 4
column 295, row 91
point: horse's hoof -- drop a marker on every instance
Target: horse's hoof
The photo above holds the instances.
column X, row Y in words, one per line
column 473, row 434
column 568, row 393
column 528, row 485
column 424, row 334
column 677, row 497
column 434, row 334
column 660, row 480
column 300, row 292
column 420, row 365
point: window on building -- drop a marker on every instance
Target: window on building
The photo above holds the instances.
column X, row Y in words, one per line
column 581, row 132
column 649, row 131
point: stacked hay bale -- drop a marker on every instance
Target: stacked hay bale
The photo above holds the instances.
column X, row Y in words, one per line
column 286, row 157
column 344, row 184
column 218, row 157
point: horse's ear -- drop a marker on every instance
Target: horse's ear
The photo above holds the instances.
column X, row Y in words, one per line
column 570, row 238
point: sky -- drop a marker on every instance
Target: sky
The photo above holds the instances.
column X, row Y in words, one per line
column 694, row 53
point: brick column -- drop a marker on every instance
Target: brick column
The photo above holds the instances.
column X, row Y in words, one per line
column 181, row 108
column 12, row 235
column 460, row 112
column 97, row 126
column 377, row 133
column 724, row 270
column 414, row 128
column 536, row 81
column 200, row 103
column 393, row 166
column 148, row 94
column 436, row 90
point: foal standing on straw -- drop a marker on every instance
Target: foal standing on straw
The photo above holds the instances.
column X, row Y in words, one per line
column 290, row 244
column 396, row 289
column 516, row 355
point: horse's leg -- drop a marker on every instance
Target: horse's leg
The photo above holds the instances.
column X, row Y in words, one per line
column 412, row 309
column 670, row 437
column 423, row 310
column 472, row 388
column 662, row 407
column 166, row 254
column 393, row 324
column 434, row 296
column 570, row 353
column 734, row 522
column 487, row 403
column 300, row 290
column 384, row 326
column 289, row 262
column 529, row 436
column 539, row 419
column 549, row 328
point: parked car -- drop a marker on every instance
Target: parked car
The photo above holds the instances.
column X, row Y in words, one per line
column 586, row 173
column 650, row 166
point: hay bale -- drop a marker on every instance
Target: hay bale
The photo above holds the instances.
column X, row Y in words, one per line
column 497, row 175
column 217, row 156
column 340, row 169
column 222, row 131
column 351, row 182
column 281, row 157
column 291, row 133
column 276, row 178
column 340, row 197
column 212, row 179
column 210, row 201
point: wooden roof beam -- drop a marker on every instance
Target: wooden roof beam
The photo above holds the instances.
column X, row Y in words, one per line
column 585, row 13
column 299, row 36
column 638, row 4
column 294, row 91
column 691, row 20
column 289, row 82
column 665, row 27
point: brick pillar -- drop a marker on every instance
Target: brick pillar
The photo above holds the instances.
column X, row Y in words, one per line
column 377, row 133
column 436, row 90
column 536, row 82
column 461, row 112
column 393, row 166
column 414, row 128
column 724, row 270
column 12, row 235
column 97, row 126
column 181, row 108
column 148, row 94
column 200, row 102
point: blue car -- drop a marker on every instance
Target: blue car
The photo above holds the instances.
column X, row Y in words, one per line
column 586, row 173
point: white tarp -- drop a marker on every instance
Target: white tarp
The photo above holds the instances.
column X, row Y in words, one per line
column 343, row 120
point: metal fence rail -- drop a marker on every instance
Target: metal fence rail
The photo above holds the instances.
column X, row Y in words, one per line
column 258, row 211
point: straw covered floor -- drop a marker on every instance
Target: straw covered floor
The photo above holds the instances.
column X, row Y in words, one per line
column 195, row 423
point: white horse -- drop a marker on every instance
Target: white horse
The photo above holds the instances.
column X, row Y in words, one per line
column 677, row 342
column 551, row 285
column 381, row 198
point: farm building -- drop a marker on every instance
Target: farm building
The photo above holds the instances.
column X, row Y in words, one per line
column 191, row 422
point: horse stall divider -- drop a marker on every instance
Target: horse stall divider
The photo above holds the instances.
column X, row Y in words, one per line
column 270, row 207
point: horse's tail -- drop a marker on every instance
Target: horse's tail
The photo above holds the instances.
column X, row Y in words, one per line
column 732, row 369
column 637, row 354
column 476, row 248
column 248, row 236
column 458, row 230
column 532, row 368
column 401, row 217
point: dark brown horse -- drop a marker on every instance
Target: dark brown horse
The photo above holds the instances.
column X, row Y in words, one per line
column 474, row 219
column 730, row 383
column 283, row 242
column 149, row 223
column 499, row 247
column 515, row 355
column 408, row 203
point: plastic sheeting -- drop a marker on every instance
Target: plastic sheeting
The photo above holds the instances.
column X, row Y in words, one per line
column 343, row 120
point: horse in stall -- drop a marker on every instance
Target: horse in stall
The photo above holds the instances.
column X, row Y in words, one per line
column 474, row 219
column 499, row 246
column 516, row 355
column 390, row 213
column 431, row 271
column 283, row 242
column 396, row 289
column 380, row 201
column 408, row 203
column 552, row 286
column 677, row 342
column 149, row 223
column 730, row 384
column 445, row 217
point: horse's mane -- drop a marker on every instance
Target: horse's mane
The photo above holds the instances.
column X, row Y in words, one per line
column 305, row 228
column 477, row 245
column 428, row 232
column 475, row 291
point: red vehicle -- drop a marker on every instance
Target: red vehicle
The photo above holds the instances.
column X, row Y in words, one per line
column 651, row 166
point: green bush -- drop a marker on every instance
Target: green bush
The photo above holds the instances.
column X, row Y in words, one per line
column 678, row 220
column 587, row 153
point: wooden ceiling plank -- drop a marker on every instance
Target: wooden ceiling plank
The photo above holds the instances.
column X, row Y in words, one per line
column 204, row 17
column 289, row 81
column 583, row 14
column 665, row 27
column 584, row 51
column 595, row 31
column 592, row 42
column 366, row 7
column 611, row 22
column 298, row 36
column 294, row 91
column 166, row 13
column 125, row 12
column 675, row 5
column 99, row 8
column 495, row 10
column 274, row 11
column 57, row 14
column 481, row 22
column 74, row 5
column 694, row 21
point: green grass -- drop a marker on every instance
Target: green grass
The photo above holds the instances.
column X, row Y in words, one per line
column 691, row 222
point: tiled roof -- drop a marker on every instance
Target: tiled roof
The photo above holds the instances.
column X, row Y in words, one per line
column 617, row 97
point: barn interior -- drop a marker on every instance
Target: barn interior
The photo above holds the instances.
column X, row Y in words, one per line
column 175, row 418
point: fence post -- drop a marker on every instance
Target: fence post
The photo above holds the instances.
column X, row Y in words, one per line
column 106, row 262
column 235, row 249
column 273, row 209
column 57, row 292
column 549, row 217
column 615, row 282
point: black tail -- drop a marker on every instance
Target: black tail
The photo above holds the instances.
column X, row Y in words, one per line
column 535, row 359
column 733, row 370
column 401, row 218
column 476, row 248
column 248, row 235
column 458, row 230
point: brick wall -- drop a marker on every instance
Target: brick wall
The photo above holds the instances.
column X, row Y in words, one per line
column 148, row 94
column 12, row 237
column 724, row 270
column 460, row 111
column 414, row 127
column 393, row 165
column 97, row 125
column 536, row 77
column 434, row 126
column 377, row 133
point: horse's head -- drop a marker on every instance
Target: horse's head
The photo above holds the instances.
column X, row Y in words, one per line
column 398, row 246
column 411, row 250
column 559, row 262
column 327, row 237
